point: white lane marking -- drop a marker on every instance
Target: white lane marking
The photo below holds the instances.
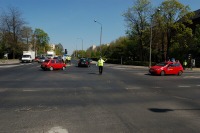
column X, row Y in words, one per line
column 192, row 77
column 119, row 68
column 157, row 87
column 30, row 90
column 184, row 98
column 133, row 88
column 3, row 90
column 7, row 66
column 198, row 85
column 58, row 130
column 184, row 86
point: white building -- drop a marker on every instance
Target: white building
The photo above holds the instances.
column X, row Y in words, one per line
column 93, row 47
column 52, row 46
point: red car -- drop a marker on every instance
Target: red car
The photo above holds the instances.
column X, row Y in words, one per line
column 51, row 64
column 165, row 68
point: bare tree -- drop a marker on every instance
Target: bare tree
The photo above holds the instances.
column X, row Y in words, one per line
column 11, row 25
column 26, row 36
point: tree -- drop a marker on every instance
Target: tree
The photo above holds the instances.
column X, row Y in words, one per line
column 174, row 15
column 11, row 25
column 194, row 48
column 137, row 19
column 42, row 41
column 59, row 49
column 26, row 38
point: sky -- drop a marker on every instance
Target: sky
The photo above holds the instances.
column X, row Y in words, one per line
column 70, row 22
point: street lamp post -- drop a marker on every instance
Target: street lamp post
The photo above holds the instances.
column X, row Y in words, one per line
column 82, row 46
column 76, row 51
column 100, row 34
column 150, row 43
column 151, row 37
column 34, row 43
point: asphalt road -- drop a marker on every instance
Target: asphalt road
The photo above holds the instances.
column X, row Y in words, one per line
column 79, row 100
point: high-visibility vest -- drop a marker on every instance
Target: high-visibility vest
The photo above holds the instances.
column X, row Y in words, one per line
column 100, row 62
column 185, row 63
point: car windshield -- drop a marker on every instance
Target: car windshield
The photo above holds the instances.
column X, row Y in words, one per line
column 26, row 56
column 55, row 57
column 89, row 59
column 46, row 61
column 83, row 60
column 161, row 64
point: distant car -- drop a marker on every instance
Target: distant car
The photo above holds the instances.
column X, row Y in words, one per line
column 37, row 58
column 83, row 62
column 52, row 64
column 58, row 58
column 167, row 68
column 90, row 60
column 42, row 59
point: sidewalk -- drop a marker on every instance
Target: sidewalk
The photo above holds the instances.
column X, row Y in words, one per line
column 9, row 61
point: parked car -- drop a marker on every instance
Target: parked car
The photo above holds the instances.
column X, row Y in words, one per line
column 167, row 68
column 51, row 64
column 83, row 62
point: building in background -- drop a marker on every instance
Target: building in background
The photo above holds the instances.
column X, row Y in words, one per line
column 93, row 47
column 52, row 46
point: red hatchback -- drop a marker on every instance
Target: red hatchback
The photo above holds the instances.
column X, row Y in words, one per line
column 52, row 64
column 165, row 68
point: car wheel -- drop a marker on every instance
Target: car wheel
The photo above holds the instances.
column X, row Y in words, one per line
column 162, row 73
column 63, row 68
column 179, row 73
column 51, row 68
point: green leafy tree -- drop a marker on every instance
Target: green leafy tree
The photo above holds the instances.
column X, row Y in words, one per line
column 174, row 15
column 137, row 18
column 42, row 41
column 59, row 49
column 194, row 48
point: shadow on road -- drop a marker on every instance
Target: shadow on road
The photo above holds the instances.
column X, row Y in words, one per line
column 159, row 110
column 94, row 73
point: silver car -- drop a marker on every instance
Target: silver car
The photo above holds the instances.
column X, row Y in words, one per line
column 42, row 59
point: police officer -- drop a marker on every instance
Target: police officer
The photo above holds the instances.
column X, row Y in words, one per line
column 69, row 59
column 184, row 64
column 100, row 65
